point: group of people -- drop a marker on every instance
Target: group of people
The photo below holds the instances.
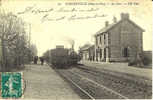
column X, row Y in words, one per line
column 36, row 60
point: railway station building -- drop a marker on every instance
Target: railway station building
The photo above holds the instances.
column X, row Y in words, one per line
column 87, row 52
column 119, row 41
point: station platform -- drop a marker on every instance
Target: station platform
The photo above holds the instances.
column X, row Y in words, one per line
column 123, row 68
column 42, row 82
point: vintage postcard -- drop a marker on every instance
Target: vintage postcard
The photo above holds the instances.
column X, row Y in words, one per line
column 76, row 49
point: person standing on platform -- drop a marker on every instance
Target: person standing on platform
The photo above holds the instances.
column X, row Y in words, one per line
column 35, row 59
column 42, row 60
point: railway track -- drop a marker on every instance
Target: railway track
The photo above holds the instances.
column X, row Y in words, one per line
column 112, row 92
column 128, row 88
column 141, row 81
column 77, row 86
column 89, row 87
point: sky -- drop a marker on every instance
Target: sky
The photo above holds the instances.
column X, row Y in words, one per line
column 60, row 23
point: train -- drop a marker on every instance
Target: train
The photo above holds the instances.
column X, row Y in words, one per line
column 61, row 57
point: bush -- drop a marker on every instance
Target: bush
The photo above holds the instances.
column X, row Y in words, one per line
column 146, row 60
column 143, row 60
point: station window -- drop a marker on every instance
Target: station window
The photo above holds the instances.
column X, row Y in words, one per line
column 104, row 38
column 100, row 39
column 109, row 52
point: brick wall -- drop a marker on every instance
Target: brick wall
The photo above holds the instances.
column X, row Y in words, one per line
column 125, row 35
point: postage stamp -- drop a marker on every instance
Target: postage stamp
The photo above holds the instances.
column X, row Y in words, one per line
column 11, row 85
column 0, row 86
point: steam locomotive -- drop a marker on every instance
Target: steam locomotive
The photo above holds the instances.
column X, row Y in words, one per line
column 63, row 58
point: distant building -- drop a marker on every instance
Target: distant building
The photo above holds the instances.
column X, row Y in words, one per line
column 87, row 52
column 119, row 41
column 92, row 53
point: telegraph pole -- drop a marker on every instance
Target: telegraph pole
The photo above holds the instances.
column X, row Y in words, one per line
column 29, row 41
column 29, row 34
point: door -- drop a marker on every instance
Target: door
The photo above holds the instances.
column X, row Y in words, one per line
column 104, row 54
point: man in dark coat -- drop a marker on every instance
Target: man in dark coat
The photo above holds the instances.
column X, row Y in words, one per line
column 35, row 59
column 42, row 60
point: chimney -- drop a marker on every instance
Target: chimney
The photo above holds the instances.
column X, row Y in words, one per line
column 106, row 23
column 114, row 19
column 124, row 16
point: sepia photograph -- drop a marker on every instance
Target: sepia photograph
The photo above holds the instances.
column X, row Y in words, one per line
column 76, row 49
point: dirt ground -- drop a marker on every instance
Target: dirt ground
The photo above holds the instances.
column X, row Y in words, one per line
column 42, row 82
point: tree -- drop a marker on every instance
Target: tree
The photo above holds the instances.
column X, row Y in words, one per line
column 15, row 49
column 137, row 54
